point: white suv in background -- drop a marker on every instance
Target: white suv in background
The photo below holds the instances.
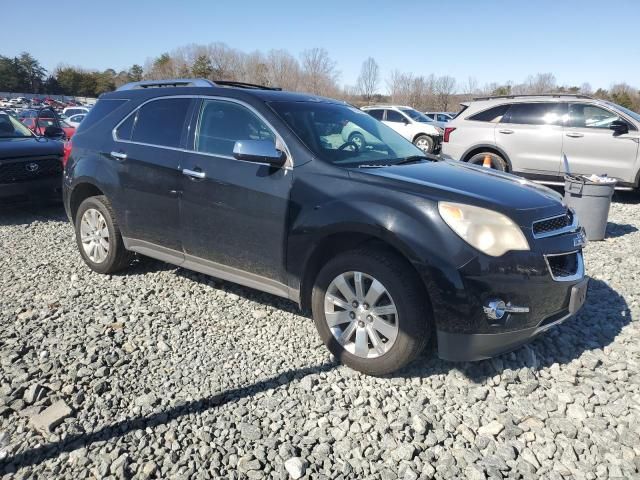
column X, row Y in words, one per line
column 529, row 135
column 411, row 124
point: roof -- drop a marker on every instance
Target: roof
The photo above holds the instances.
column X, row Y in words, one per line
column 161, row 88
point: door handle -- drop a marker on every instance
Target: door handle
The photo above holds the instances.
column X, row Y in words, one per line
column 193, row 173
column 575, row 134
column 506, row 131
column 119, row 156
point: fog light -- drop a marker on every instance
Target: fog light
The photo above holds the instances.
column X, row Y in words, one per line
column 496, row 309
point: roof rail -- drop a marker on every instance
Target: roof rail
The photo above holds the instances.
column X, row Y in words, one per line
column 232, row 83
column 173, row 82
column 191, row 82
column 573, row 95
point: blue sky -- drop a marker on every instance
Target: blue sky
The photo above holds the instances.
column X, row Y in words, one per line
column 578, row 41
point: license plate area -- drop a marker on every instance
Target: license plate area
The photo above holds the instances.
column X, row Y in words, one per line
column 578, row 295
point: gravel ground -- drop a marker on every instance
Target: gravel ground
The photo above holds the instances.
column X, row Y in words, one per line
column 165, row 373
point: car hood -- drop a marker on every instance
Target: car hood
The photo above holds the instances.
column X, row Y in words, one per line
column 460, row 182
column 29, row 147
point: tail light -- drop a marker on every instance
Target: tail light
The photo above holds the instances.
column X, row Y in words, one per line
column 447, row 133
column 66, row 152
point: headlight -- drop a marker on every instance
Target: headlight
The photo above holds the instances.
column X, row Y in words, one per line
column 488, row 231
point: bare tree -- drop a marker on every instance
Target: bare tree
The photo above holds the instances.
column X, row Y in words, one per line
column 541, row 83
column 255, row 69
column 369, row 79
column 319, row 72
column 227, row 62
column 283, row 70
column 445, row 87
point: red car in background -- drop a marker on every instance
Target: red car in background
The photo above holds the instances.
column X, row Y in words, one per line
column 38, row 126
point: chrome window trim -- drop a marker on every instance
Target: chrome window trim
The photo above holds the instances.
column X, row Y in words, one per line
column 579, row 270
column 567, row 229
column 287, row 166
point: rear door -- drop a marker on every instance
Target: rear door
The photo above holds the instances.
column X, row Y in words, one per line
column 148, row 151
column 234, row 212
column 531, row 136
column 591, row 147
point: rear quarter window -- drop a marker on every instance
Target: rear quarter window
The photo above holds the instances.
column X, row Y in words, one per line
column 493, row 115
column 99, row 111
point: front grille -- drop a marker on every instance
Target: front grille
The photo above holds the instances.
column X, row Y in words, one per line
column 565, row 266
column 29, row 169
column 550, row 226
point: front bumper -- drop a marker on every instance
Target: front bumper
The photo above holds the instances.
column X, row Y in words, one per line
column 48, row 188
column 480, row 346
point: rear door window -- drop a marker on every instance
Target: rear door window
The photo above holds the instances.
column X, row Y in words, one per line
column 377, row 113
column 161, row 122
column 542, row 113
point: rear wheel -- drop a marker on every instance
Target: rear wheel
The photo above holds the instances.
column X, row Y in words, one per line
column 370, row 310
column 424, row 143
column 98, row 236
column 489, row 160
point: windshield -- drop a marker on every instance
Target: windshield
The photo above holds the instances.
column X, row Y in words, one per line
column 12, row 128
column 344, row 135
column 416, row 115
column 631, row 113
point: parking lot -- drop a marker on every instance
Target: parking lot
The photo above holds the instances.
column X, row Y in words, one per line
column 173, row 374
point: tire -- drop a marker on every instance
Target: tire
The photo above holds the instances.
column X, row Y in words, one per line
column 358, row 139
column 424, row 143
column 497, row 162
column 100, row 259
column 403, row 291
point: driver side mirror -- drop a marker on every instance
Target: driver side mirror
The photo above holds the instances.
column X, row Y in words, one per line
column 261, row 151
column 54, row 132
column 619, row 127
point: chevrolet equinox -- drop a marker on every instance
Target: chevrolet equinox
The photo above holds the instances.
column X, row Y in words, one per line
column 387, row 247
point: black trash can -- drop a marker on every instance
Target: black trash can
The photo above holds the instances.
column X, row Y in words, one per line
column 590, row 199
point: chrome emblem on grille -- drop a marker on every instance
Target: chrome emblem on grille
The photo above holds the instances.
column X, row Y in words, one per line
column 32, row 167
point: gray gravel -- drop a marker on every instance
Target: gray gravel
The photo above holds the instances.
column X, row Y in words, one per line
column 166, row 373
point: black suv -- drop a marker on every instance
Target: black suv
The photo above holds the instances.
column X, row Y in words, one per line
column 387, row 247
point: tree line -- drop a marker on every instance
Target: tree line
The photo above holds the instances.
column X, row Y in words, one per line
column 312, row 71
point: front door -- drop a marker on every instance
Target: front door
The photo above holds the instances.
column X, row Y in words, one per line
column 147, row 153
column 531, row 135
column 591, row 147
column 234, row 212
column 398, row 122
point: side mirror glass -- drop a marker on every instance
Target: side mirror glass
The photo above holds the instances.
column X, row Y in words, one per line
column 261, row 151
column 54, row 132
column 619, row 127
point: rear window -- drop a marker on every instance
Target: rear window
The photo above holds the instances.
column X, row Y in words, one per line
column 493, row 115
column 99, row 111
column 546, row 113
column 160, row 122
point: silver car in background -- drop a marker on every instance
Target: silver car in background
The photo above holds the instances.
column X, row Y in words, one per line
column 529, row 134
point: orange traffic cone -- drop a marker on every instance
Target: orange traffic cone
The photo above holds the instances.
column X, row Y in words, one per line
column 486, row 163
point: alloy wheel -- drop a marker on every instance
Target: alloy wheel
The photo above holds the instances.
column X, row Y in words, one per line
column 361, row 314
column 94, row 235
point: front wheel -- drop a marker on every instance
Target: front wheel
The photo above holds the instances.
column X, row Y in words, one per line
column 424, row 143
column 370, row 311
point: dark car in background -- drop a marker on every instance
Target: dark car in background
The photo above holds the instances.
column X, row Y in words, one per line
column 30, row 166
column 385, row 245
